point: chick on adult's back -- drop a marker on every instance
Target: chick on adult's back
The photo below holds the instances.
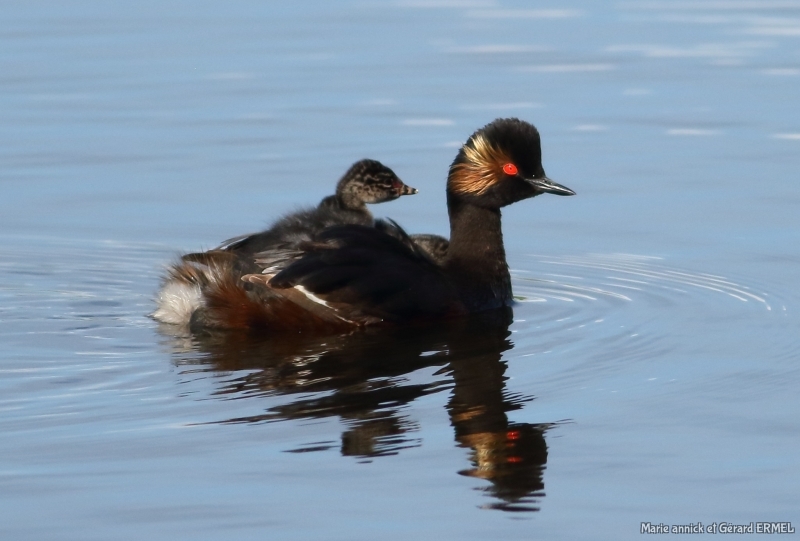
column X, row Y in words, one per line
column 365, row 182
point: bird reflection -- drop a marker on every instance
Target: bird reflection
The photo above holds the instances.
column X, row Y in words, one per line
column 363, row 379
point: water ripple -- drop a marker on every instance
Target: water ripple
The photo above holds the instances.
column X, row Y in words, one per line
column 619, row 277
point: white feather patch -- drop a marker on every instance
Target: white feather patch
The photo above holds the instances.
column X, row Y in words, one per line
column 312, row 297
column 177, row 301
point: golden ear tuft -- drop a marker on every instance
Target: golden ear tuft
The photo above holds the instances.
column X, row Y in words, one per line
column 481, row 168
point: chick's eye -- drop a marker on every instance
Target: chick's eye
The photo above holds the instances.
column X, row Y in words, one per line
column 510, row 169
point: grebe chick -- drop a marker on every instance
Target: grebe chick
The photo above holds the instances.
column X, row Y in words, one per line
column 351, row 276
column 365, row 182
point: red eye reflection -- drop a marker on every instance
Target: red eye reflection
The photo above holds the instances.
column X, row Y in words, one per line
column 510, row 169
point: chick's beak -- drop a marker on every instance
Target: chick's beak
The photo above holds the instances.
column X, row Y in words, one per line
column 548, row 186
column 407, row 190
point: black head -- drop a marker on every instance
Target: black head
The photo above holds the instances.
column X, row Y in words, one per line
column 500, row 164
column 369, row 181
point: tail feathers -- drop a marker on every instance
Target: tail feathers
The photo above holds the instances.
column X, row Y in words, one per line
column 177, row 301
column 181, row 294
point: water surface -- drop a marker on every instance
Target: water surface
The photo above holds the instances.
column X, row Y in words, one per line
column 648, row 371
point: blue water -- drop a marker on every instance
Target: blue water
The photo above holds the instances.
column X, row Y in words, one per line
column 650, row 372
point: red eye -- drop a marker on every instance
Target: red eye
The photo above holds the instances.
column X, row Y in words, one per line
column 510, row 169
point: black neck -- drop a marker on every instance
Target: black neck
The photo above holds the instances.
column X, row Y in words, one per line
column 476, row 259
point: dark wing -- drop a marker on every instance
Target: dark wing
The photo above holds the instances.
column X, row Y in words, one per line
column 367, row 272
column 235, row 243
column 291, row 229
column 295, row 228
column 435, row 246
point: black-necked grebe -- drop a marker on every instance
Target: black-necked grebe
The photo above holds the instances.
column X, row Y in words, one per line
column 352, row 275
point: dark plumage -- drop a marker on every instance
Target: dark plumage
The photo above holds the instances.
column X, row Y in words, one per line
column 352, row 275
column 433, row 245
column 367, row 274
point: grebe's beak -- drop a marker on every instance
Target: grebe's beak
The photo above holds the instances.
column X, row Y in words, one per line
column 548, row 186
column 407, row 190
